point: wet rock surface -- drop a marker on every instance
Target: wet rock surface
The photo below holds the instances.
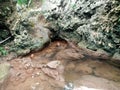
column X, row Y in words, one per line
column 43, row 71
column 97, row 83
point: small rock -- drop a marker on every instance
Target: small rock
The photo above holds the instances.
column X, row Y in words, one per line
column 32, row 56
column 53, row 64
column 58, row 44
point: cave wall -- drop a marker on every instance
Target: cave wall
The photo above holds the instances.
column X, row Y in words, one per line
column 92, row 24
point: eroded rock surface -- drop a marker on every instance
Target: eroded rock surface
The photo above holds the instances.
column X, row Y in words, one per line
column 93, row 23
column 26, row 26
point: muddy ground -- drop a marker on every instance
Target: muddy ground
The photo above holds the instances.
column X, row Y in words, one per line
column 58, row 64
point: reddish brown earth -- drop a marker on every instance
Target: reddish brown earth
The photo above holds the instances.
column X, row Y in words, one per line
column 58, row 64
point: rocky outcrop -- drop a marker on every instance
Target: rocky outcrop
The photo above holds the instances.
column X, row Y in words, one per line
column 25, row 27
column 28, row 29
column 30, row 38
column 93, row 23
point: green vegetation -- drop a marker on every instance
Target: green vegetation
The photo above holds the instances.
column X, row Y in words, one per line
column 21, row 2
column 24, row 2
column 3, row 51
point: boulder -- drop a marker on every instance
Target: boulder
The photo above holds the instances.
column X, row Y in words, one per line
column 27, row 26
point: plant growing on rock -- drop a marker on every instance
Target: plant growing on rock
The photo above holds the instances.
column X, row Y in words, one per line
column 3, row 51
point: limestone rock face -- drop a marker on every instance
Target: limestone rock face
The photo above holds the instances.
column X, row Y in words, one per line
column 28, row 29
column 24, row 27
column 94, row 22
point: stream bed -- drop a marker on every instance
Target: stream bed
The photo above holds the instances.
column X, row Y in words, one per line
column 57, row 65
